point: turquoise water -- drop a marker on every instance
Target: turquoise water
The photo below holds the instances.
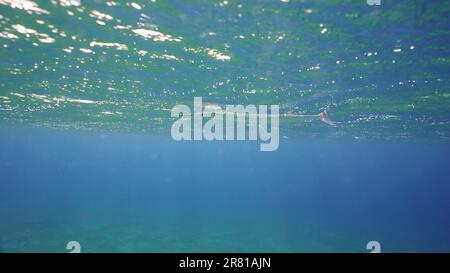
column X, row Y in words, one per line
column 86, row 89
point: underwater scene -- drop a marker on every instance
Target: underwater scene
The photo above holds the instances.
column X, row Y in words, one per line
column 194, row 126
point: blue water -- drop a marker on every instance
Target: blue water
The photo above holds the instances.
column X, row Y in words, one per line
column 140, row 193
column 86, row 155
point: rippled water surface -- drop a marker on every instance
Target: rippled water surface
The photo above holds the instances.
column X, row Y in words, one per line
column 118, row 65
column 106, row 74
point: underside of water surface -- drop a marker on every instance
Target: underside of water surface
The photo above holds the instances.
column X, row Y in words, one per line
column 86, row 153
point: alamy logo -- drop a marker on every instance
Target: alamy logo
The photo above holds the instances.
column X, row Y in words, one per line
column 261, row 124
column 374, row 2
